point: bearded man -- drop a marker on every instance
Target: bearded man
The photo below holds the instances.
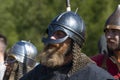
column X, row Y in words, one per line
column 62, row 59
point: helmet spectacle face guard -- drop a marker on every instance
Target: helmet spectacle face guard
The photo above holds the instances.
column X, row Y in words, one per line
column 10, row 59
column 51, row 31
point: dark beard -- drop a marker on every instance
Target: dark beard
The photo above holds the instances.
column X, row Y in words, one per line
column 53, row 55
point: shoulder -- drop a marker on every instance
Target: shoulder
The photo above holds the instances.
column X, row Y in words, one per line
column 98, row 59
column 91, row 72
column 33, row 74
column 98, row 72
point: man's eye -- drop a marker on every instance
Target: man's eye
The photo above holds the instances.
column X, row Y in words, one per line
column 61, row 35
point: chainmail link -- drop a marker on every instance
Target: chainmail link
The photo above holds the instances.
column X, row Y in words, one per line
column 80, row 60
column 20, row 72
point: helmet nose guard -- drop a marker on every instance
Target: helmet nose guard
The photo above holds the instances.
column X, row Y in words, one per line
column 70, row 23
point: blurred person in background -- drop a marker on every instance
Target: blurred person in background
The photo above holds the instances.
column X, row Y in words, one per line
column 110, row 61
column 3, row 45
column 20, row 60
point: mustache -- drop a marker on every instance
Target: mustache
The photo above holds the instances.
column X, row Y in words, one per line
column 49, row 50
column 51, row 56
column 50, row 46
column 110, row 40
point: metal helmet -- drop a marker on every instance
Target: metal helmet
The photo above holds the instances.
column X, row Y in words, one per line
column 113, row 21
column 70, row 23
column 24, row 52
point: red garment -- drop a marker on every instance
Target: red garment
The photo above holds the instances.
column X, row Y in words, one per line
column 111, row 67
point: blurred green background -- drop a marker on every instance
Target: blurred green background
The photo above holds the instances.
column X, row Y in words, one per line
column 28, row 19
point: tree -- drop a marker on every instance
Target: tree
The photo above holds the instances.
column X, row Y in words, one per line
column 28, row 19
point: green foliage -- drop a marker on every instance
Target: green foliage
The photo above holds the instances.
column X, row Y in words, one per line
column 28, row 19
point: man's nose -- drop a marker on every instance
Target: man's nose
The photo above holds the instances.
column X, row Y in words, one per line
column 53, row 37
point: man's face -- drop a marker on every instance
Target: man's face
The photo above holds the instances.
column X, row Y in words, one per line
column 54, row 54
column 113, row 38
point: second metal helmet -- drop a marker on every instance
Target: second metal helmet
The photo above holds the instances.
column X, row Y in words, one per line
column 24, row 51
column 113, row 21
column 70, row 23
